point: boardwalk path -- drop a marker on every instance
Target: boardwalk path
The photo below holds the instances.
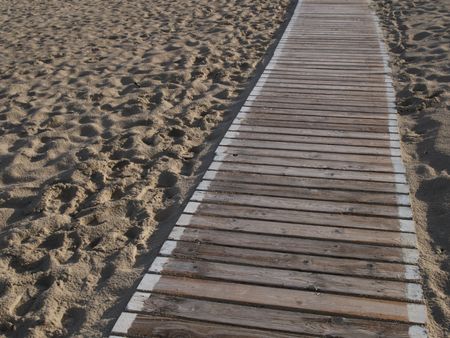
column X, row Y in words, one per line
column 301, row 225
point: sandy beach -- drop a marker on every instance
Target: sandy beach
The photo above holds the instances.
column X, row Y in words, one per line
column 418, row 37
column 106, row 110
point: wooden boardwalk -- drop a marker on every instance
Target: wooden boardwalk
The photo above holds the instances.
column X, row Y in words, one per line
column 302, row 224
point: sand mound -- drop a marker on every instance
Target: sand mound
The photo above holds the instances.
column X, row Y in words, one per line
column 105, row 109
column 419, row 40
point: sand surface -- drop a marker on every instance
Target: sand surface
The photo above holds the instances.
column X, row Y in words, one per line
column 106, row 109
column 418, row 33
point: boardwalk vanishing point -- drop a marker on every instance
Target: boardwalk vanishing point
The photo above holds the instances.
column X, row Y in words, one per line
column 301, row 226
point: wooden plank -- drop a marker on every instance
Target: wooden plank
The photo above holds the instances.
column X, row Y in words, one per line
column 297, row 245
column 323, row 106
column 345, row 99
column 310, row 193
column 303, row 204
column 329, row 304
column 338, row 92
column 328, row 148
column 292, row 261
column 288, row 279
column 369, row 82
column 319, row 164
column 300, row 229
column 250, row 135
column 308, row 172
column 389, row 118
column 313, row 119
column 308, row 217
column 315, row 183
column 278, row 320
column 341, row 98
column 156, row 326
column 265, row 128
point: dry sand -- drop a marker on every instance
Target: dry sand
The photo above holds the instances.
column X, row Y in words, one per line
column 106, row 109
column 418, row 33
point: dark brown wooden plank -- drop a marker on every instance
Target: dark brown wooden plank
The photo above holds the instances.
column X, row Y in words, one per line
column 288, row 279
column 321, row 105
column 343, row 149
column 280, row 320
column 312, row 132
column 300, row 229
column 308, row 172
column 309, row 182
column 273, row 136
column 157, row 326
column 329, row 304
column 296, row 245
column 305, row 163
column 303, row 204
column 253, row 188
column 308, row 217
column 292, row 261
column 316, row 119
column 318, row 126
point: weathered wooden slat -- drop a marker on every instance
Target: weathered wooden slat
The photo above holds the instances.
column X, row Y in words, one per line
column 140, row 325
column 309, row 217
column 322, row 99
column 292, row 261
column 299, row 230
column 304, row 204
column 266, row 128
column 313, row 119
column 241, row 133
column 289, row 279
column 279, row 320
column 319, row 183
column 280, row 190
column 328, row 148
column 319, row 164
column 297, row 245
column 308, row 172
column 324, row 106
column 343, row 98
column 287, row 299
